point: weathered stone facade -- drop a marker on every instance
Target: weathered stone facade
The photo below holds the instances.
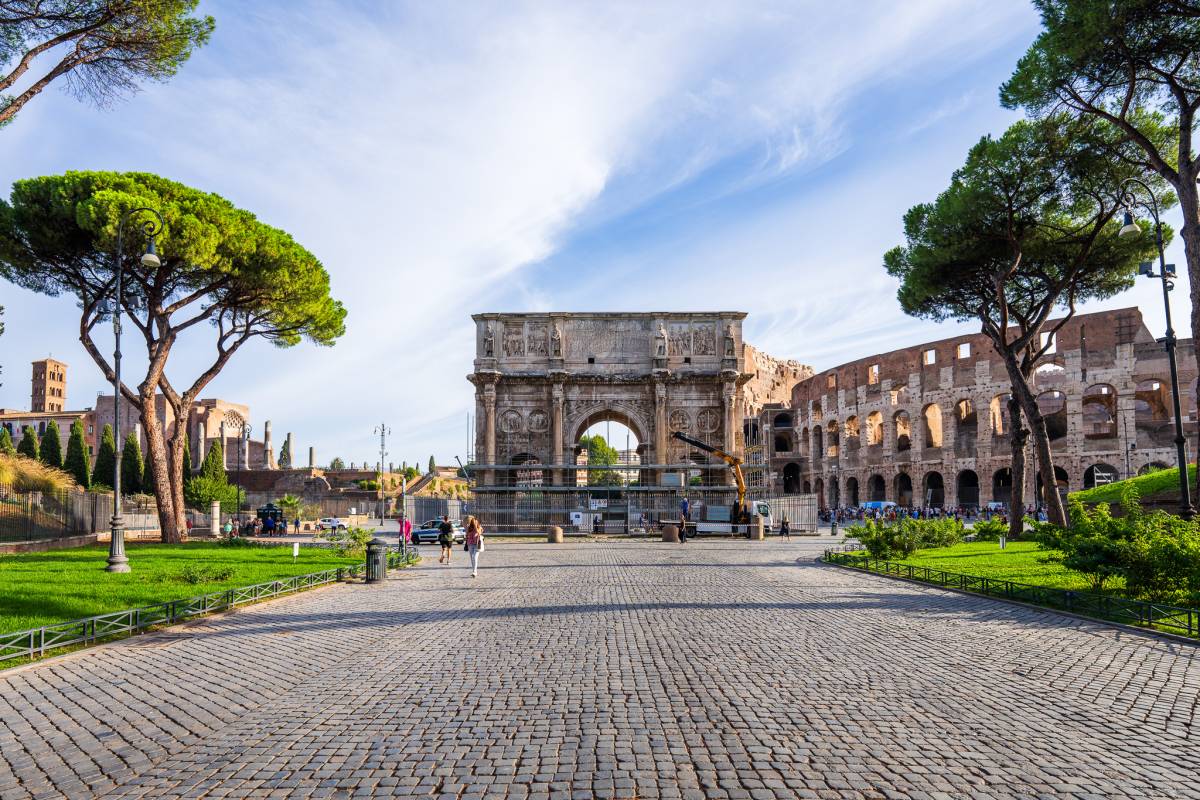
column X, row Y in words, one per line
column 543, row 379
column 928, row 425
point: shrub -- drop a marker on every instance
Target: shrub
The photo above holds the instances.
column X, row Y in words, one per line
column 350, row 542
column 1162, row 562
column 989, row 530
column 203, row 573
column 904, row 537
column 29, row 475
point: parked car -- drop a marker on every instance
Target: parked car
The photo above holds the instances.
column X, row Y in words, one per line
column 428, row 532
column 331, row 523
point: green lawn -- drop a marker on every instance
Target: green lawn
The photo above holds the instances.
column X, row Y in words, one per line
column 1164, row 482
column 1022, row 562
column 60, row 585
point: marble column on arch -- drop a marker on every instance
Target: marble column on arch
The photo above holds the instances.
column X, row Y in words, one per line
column 556, row 433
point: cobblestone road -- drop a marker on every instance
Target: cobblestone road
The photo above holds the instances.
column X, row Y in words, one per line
column 614, row 670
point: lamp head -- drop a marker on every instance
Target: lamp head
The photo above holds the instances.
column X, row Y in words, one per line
column 1130, row 227
column 150, row 258
column 1146, row 268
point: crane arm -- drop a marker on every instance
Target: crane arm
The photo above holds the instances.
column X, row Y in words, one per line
column 734, row 463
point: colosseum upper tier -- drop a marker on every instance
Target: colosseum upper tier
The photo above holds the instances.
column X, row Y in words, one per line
column 927, row 425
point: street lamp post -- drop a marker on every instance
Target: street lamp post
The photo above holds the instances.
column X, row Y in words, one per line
column 1166, row 274
column 243, row 449
column 383, row 431
column 117, row 560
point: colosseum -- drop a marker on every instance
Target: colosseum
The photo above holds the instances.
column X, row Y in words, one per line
column 927, row 425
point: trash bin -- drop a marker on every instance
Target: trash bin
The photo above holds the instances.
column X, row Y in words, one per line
column 377, row 560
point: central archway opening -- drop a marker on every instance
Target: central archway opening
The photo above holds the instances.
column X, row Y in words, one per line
column 609, row 443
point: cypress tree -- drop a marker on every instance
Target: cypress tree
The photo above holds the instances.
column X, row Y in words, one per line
column 106, row 459
column 131, row 465
column 6, row 443
column 148, row 477
column 432, row 465
column 29, row 444
column 77, row 458
column 285, row 455
column 50, row 448
column 214, row 463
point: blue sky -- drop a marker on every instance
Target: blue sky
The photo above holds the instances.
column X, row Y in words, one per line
column 443, row 159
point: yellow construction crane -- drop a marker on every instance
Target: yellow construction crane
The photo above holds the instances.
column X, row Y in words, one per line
column 735, row 464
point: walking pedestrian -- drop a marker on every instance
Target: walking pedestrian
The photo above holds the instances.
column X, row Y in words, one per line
column 446, row 540
column 296, row 525
column 785, row 528
column 474, row 543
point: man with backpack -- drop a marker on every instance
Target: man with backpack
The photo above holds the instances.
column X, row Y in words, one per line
column 446, row 540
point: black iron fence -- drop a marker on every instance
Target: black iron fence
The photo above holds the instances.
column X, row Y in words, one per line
column 32, row 516
column 1142, row 613
column 36, row 642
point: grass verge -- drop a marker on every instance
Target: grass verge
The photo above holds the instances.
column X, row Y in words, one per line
column 1161, row 486
column 44, row 588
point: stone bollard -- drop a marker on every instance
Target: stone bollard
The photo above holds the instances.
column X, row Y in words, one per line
column 214, row 519
column 757, row 531
column 377, row 560
column 555, row 536
column 670, row 533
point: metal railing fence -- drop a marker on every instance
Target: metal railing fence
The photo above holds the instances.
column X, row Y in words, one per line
column 1142, row 613
column 35, row 516
column 35, row 642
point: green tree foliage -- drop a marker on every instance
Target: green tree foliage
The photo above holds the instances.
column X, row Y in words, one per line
column 432, row 465
column 76, row 462
column 1133, row 64
column 903, row 537
column 103, row 48
column 106, row 459
column 285, row 455
column 600, row 453
column 337, row 463
column 203, row 489
column 6, row 443
column 147, row 481
column 1028, row 226
column 213, row 465
column 50, row 447
column 29, row 443
column 290, row 505
column 131, row 465
column 221, row 270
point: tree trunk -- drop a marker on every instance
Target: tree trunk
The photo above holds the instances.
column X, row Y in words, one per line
column 159, row 466
column 1191, row 249
column 1018, row 436
column 1041, row 440
column 175, row 456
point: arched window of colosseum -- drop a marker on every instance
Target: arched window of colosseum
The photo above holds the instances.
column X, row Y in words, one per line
column 902, row 487
column 998, row 414
column 899, row 396
column 932, row 415
column 1049, row 376
column 816, row 412
column 1100, row 412
column 1153, row 466
column 874, row 428
column 791, row 478
column 1053, row 405
column 967, row 421
column 818, row 442
column 1002, row 481
column 807, row 487
column 1150, row 401
column 819, row 491
column 1099, row 475
column 783, row 442
column 851, row 492
column 903, row 430
column 833, row 440
column 876, row 489
column 850, row 432
column 751, row 432
column 782, row 422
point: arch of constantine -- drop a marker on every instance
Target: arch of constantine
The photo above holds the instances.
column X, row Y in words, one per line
column 542, row 379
